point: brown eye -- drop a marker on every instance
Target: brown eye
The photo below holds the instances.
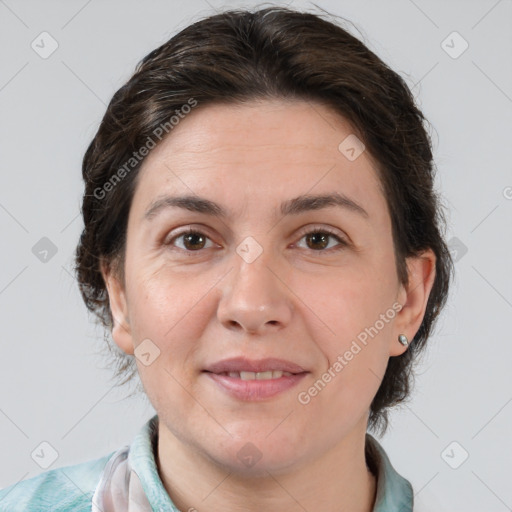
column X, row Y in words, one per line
column 190, row 241
column 320, row 240
column 317, row 240
column 194, row 241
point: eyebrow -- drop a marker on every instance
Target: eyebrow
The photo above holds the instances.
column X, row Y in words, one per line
column 295, row 206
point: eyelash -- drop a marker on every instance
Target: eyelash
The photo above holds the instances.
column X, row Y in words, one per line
column 341, row 242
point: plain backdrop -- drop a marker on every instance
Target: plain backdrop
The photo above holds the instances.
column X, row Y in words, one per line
column 456, row 57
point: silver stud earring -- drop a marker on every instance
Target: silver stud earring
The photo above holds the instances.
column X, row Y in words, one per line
column 402, row 338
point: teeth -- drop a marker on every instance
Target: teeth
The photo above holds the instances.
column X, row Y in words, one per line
column 271, row 374
column 265, row 375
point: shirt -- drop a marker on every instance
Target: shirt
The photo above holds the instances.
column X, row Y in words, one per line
column 127, row 480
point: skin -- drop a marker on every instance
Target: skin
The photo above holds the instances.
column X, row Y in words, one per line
column 200, row 302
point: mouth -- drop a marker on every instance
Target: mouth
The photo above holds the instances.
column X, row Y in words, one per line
column 271, row 374
column 255, row 380
column 243, row 365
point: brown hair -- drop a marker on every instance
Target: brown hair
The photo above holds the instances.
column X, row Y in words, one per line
column 242, row 55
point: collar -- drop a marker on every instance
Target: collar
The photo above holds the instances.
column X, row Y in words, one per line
column 130, row 481
column 394, row 492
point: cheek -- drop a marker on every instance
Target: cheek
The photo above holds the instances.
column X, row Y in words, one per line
column 345, row 302
column 161, row 301
column 351, row 335
column 173, row 313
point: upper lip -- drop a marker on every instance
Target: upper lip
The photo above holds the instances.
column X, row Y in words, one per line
column 242, row 364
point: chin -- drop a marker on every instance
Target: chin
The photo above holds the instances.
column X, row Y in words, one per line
column 257, row 456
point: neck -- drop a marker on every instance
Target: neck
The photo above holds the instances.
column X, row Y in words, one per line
column 337, row 481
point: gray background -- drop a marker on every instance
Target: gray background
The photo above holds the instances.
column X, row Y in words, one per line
column 53, row 386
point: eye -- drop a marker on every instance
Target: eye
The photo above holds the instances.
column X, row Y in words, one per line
column 193, row 240
column 319, row 239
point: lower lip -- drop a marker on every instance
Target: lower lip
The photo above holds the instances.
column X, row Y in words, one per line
column 255, row 390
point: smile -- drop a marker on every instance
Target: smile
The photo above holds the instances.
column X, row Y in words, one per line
column 272, row 374
column 255, row 386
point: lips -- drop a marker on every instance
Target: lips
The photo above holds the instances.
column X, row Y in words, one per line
column 252, row 380
column 271, row 374
column 245, row 367
column 255, row 380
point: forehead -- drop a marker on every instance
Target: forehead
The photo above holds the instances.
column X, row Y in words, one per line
column 267, row 150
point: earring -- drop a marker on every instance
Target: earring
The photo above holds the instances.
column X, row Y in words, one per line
column 402, row 338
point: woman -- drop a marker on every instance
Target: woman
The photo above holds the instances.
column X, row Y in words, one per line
column 263, row 240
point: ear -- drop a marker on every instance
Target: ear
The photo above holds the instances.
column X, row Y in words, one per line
column 413, row 298
column 121, row 330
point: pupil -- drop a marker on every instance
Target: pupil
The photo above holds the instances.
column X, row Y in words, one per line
column 191, row 240
column 319, row 238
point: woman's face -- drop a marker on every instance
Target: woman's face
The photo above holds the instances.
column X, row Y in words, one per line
column 268, row 280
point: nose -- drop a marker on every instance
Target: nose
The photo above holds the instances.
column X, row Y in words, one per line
column 254, row 298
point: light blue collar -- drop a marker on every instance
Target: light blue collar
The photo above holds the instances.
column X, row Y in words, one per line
column 394, row 492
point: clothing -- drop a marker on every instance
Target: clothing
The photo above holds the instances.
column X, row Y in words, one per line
column 127, row 480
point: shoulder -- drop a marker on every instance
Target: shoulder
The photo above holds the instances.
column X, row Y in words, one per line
column 57, row 490
column 425, row 500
